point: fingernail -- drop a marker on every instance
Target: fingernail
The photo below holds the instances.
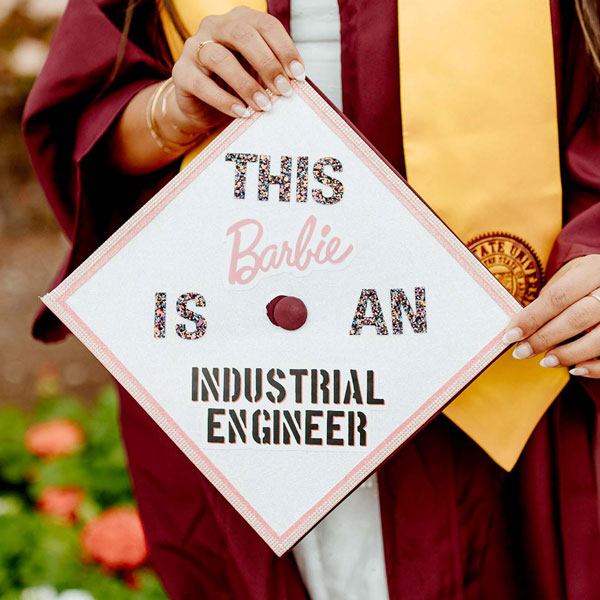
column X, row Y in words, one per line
column 549, row 361
column 241, row 111
column 522, row 351
column 283, row 86
column 512, row 335
column 581, row 371
column 263, row 102
column 297, row 70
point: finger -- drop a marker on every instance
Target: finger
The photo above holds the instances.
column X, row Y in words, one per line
column 583, row 349
column 195, row 83
column 282, row 45
column 244, row 38
column 577, row 318
column 555, row 297
column 590, row 368
column 223, row 63
column 219, row 60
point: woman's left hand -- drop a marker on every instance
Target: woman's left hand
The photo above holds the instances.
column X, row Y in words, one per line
column 568, row 305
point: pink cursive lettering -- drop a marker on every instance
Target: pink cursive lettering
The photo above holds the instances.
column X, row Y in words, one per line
column 248, row 261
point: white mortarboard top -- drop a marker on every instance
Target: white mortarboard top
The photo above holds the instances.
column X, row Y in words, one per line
column 377, row 314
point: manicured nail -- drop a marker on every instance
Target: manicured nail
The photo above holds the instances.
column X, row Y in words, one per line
column 263, row 102
column 297, row 70
column 522, row 351
column 549, row 361
column 581, row 371
column 512, row 335
column 241, row 111
column 283, row 86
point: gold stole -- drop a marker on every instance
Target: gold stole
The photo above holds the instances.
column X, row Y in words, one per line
column 481, row 146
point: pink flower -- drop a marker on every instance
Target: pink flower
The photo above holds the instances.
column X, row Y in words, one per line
column 116, row 539
column 61, row 502
column 58, row 437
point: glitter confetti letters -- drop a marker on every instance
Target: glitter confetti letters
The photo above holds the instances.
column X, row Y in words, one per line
column 302, row 179
column 283, row 180
column 184, row 312
column 417, row 317
column 336, row 185
column 241, row 166
column 366, row 296
column 160, row 314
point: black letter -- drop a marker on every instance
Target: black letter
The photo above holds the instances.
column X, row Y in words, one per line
column 309, row 427
column 248, row 384
column 194, row 384
column 298, row 374
column 240, row 424
column 371, row 390
column 212, row 425
column 333, row 427
column 276, row 384
column 212, row 384
column 360, row 429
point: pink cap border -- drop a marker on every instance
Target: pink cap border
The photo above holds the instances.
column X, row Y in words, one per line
column 57, row 299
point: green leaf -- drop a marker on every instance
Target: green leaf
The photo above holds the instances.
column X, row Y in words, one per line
column 14, row 458
column 60, row 407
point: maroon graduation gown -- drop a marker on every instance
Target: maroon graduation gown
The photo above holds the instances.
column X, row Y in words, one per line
column 455, row 525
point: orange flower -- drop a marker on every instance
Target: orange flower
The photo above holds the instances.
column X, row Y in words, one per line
column 116, row 539
column 58, row 437
column 61, row 502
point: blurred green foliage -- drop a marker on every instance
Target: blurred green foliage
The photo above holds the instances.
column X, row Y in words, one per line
column 99, row 468
column 36, row 549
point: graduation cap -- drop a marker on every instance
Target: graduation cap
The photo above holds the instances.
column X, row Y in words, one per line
column 289, row 311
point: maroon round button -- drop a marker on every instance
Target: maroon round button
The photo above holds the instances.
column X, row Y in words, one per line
column 287, row 312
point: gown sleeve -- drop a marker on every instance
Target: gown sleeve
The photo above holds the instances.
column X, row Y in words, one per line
column 579, row 120
column 579, row 116
column 65, row 120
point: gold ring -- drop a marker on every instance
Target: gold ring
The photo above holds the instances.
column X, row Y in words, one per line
column 201, row 45
column 595, row 296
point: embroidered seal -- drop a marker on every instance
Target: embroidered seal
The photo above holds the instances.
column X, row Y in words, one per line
column 512, row 261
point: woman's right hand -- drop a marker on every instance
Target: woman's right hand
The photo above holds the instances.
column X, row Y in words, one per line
column 199, row 101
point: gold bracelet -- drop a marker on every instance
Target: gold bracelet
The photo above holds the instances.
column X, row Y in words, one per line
column 166, row 145
column 163, row 112
column 151, row 120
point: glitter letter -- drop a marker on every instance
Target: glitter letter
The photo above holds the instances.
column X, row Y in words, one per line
column 336, row 185
column 160, row 313
column 359, row 316
column 265, row 179
column 302, row 179
column 185, row 313
column 241, row 165
column 417, row 318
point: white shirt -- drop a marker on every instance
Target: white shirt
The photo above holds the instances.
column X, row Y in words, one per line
column 341, row 558
column 315, row 27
